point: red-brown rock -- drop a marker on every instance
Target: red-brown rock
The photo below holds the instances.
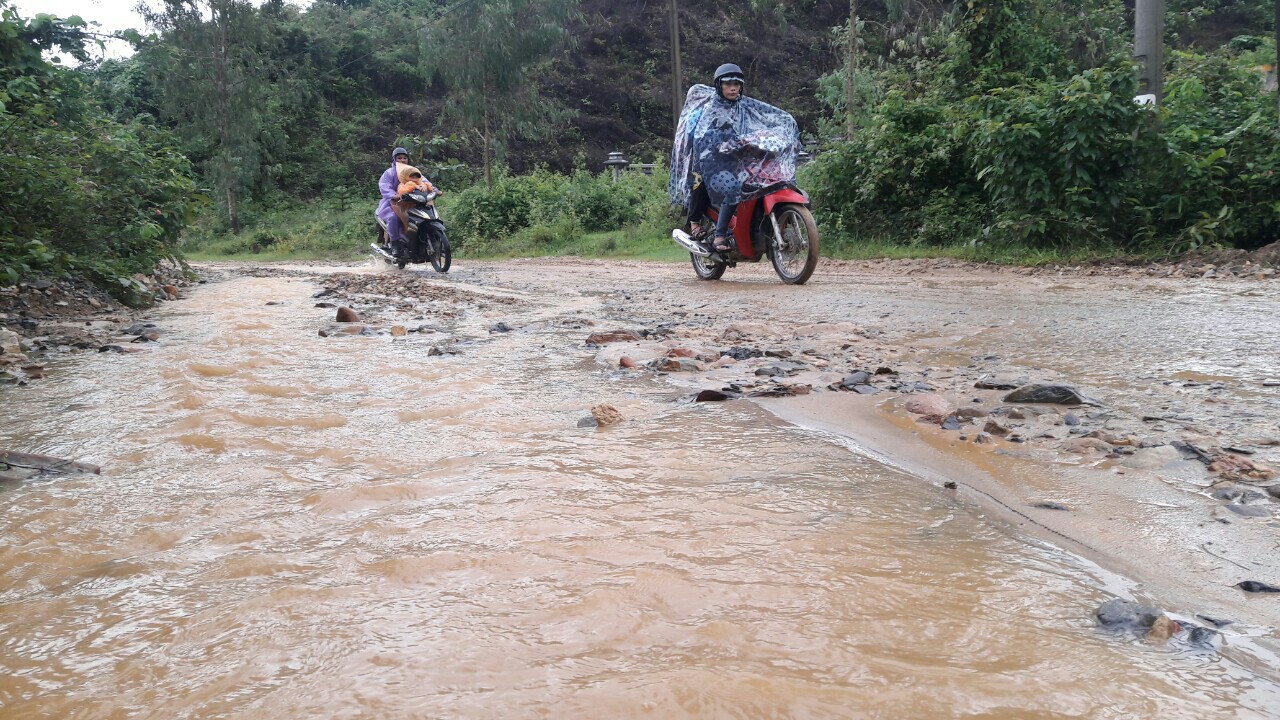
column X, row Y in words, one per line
column 606, row 415
column 930, row 405
column 346, row 314
column 609, row 336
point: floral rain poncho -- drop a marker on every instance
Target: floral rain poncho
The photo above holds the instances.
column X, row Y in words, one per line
column 738, row 149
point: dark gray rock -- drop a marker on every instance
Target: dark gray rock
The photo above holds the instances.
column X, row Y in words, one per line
column 713, row 396
column 1071, row 419
column 1054, row 394
column 865, row 389
column 1225, row 493
column 1203, row 636
column 951, row 423
column 1254, row 586
column 1274, row 491
column 773, row 371
column 858, row 378
column 1119, row 612
column 1249, row 510
column 500, row 327
column 588, row 422
column 1251, row 496
column 742, row 353
column 139, row 328
column 1051, row 506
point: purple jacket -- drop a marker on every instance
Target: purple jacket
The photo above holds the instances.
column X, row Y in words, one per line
column 387, row 185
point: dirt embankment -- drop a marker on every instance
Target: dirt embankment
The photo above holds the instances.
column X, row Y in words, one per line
column 44, row 319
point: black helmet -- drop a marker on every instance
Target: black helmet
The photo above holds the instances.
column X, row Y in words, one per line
column 728, row 71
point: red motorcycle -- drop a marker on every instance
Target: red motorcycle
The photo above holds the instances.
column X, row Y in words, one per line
column 777, row 224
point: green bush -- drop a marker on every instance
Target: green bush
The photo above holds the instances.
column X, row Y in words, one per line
column 1212, row 174
column 537, row 206
column 78, row 189
column 1057, row 159
column 1005, row 140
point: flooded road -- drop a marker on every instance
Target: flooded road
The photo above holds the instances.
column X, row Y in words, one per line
column 294, row 526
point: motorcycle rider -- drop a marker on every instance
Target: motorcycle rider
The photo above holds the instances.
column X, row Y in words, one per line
column 388, row 188
column 729, row 82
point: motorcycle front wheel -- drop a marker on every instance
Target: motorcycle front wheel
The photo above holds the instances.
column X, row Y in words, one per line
column 796, row 255
column 442, row 258
column 706, row 268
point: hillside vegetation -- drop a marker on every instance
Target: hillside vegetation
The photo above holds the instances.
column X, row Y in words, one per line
column 992, row 124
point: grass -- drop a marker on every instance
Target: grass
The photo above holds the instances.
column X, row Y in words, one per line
column 309, row 232
column 316, row 232
column 875, row 249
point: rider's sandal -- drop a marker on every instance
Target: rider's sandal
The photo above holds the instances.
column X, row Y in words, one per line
column 722, row 244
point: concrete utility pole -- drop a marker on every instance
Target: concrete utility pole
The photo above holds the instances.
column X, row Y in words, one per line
column 1148, row 45
column 677, row 85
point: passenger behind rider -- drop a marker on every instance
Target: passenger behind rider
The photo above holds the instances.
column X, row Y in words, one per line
column 410, row 180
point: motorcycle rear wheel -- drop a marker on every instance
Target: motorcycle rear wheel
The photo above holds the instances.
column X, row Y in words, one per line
column 442, row 258
column 796, row 257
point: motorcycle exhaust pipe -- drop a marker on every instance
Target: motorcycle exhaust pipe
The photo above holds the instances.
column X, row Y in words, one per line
column 683, row 239
column 385, row 255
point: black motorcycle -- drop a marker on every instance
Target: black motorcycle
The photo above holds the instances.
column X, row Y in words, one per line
column 425, row 239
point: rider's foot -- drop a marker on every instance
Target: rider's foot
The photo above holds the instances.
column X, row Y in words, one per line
column 398, row 249
column 722, row 244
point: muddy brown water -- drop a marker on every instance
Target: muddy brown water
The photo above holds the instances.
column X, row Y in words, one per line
column 290, row 526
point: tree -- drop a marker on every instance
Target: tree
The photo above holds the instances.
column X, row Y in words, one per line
column 851, row 70
column 485, row 52
column 212, row 72
column 79, row 190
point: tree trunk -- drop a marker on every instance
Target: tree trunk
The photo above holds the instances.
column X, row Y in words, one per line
column 488, row 141
column 224, row 121
column 850, row 69
column 1277, row 67
column 677, row 86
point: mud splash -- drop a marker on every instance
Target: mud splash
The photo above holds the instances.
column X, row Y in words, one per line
column 297, row 526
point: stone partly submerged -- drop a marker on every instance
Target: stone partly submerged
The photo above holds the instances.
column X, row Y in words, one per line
column 606, row 415
column 1051, row 394
column 28, row 464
